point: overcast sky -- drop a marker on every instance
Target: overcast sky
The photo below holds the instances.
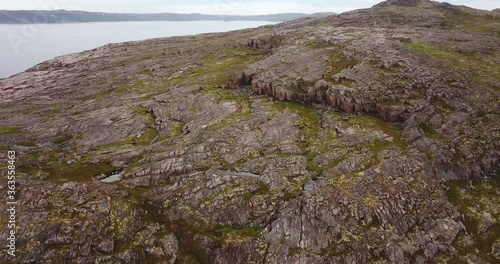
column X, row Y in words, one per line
column 237, row 7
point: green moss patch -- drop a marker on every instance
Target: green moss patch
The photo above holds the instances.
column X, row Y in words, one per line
column 338, row 62
column 148, row 116
column 175, row 131
column 432, row 50
column 229, row 95
column 145, row 139
column 226, row 190
column 62, row 139
column 477, row 22
column 310, row 117
column 77, row 172
column 479, row 70
column 478, row 204
column 309, row 124
column 263, row 189
column 10, row 130
column 432, row 134
column 219, row 66
column 229, row 234
column 391, row 129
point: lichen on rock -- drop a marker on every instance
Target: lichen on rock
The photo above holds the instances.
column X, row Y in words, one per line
column 368, row 136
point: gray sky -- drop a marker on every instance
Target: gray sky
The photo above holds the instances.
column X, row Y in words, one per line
column 237, row 7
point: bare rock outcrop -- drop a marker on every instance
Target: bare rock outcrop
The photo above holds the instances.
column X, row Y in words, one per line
column 365, row 137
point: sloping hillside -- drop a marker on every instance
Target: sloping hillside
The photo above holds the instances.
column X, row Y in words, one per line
column 367, row 137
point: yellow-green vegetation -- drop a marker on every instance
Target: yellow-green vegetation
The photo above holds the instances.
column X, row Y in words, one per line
column 317, row 44
column 27, row 142
column 101, row 96
column 185, row 258
column 455, row 18
column 78, row 172
column 479, row 205
column 62, row 139
column 296, row 90
column 372, row 201
column 379, row 261
column 374, row 123
column 310, row 117
column 229, row 234
column 344, row 179
column 119, row 222
column 291, row 194
column 316, row 138
column 432, row 134
column 144, row 112
column 48, row 111
column 296, row 190
column 228, row 95
column 434, row 51
column 175, row 131
column 442, row 107
column 309, row 124
column 338, row 62
column 121, row 88
column 143, row 140
column 477, row 21
column 35, row 155
column 262, row 189
column 334, row 250
column 154, row 86
column 481, row 70
column 228, row 188
column 348, row 237
column 219, row 66
column 258, row 133
column 10, row 130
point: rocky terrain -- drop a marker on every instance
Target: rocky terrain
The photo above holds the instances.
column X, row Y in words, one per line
column 367, row 137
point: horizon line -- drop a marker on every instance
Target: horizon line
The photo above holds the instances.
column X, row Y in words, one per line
column 104, row 12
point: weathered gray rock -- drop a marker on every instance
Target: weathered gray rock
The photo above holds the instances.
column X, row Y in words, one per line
column 336, row 140
column 495, row 250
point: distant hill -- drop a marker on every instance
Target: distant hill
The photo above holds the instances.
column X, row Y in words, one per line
column 64, row 16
